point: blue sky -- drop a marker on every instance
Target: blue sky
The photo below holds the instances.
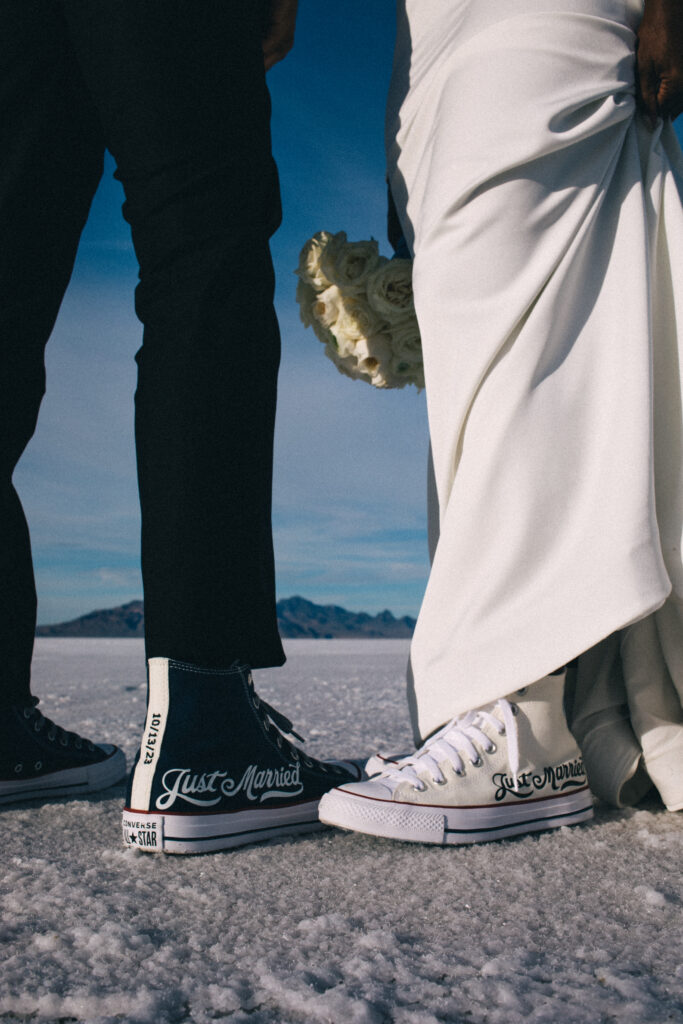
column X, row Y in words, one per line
column 349, row 485
column 349, row 505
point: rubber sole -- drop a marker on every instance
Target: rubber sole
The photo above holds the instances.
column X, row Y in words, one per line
column 445, row 826
column 205, row 833
column 69, row 782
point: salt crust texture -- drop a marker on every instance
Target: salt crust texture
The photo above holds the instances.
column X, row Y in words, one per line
column 580, row 925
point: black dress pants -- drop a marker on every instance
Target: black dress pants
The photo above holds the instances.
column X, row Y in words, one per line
column 175, row 89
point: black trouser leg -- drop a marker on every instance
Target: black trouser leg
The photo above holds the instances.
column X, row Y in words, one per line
column 180, row 91
column 50, row 163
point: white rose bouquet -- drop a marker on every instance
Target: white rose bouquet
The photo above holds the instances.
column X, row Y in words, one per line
column 360, row 305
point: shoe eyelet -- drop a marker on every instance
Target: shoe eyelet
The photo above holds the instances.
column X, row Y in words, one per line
column 18, row 769
column 514, row 709
column 477, row 763
column 522, row 690
column 491, row 749
column 439, row 782
column 64, row 742
column 78, row 744
column 278, row 740
column 51, row 735
column 256, row 702
column 37, row 766
column 27, row 713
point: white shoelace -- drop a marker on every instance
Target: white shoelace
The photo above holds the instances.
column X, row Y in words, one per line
column 455, row 742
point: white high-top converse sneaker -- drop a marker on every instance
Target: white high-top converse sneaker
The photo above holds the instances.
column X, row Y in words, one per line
column 505, row 769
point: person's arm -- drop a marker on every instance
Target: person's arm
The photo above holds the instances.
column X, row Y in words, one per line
column 659, row 72
column 278, row 35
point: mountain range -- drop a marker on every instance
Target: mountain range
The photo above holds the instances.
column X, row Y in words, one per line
column 297, row 618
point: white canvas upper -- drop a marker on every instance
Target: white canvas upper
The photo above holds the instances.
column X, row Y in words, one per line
column 513, row 765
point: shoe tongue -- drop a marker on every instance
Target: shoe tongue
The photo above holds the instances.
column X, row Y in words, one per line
column 478, row 718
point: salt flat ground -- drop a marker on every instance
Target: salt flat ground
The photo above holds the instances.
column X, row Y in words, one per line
column 579, row 925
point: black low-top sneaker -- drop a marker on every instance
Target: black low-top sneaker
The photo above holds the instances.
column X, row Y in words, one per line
column 40, row 759
column 215, row 768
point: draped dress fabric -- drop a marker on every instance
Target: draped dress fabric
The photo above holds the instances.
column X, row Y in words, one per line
column 546, row 225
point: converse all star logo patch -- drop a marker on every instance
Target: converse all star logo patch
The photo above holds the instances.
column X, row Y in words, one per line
column 558, row 778
column 205, row 789
column 144, row 835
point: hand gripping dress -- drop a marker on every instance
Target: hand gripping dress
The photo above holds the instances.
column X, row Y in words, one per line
column 546, row 224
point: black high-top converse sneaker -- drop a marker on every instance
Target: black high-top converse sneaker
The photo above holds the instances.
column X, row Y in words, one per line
column 40, row 759
column 215, row 769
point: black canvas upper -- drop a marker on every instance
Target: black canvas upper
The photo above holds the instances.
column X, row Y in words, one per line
column 223, row 749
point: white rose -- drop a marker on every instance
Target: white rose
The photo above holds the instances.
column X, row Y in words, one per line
column 327, row 306
column 371, row 359
column 356, row 319
column 318, row 310
column 405, row 341
column 323, row 334
column 374, row 359
column 309, row 269
column 306, row 296
column 349, row 264
column 345, row 346
column 390, row 290
column 346, row 364
column 406, row 359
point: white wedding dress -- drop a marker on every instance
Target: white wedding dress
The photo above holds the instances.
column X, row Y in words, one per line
column 546, row 224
